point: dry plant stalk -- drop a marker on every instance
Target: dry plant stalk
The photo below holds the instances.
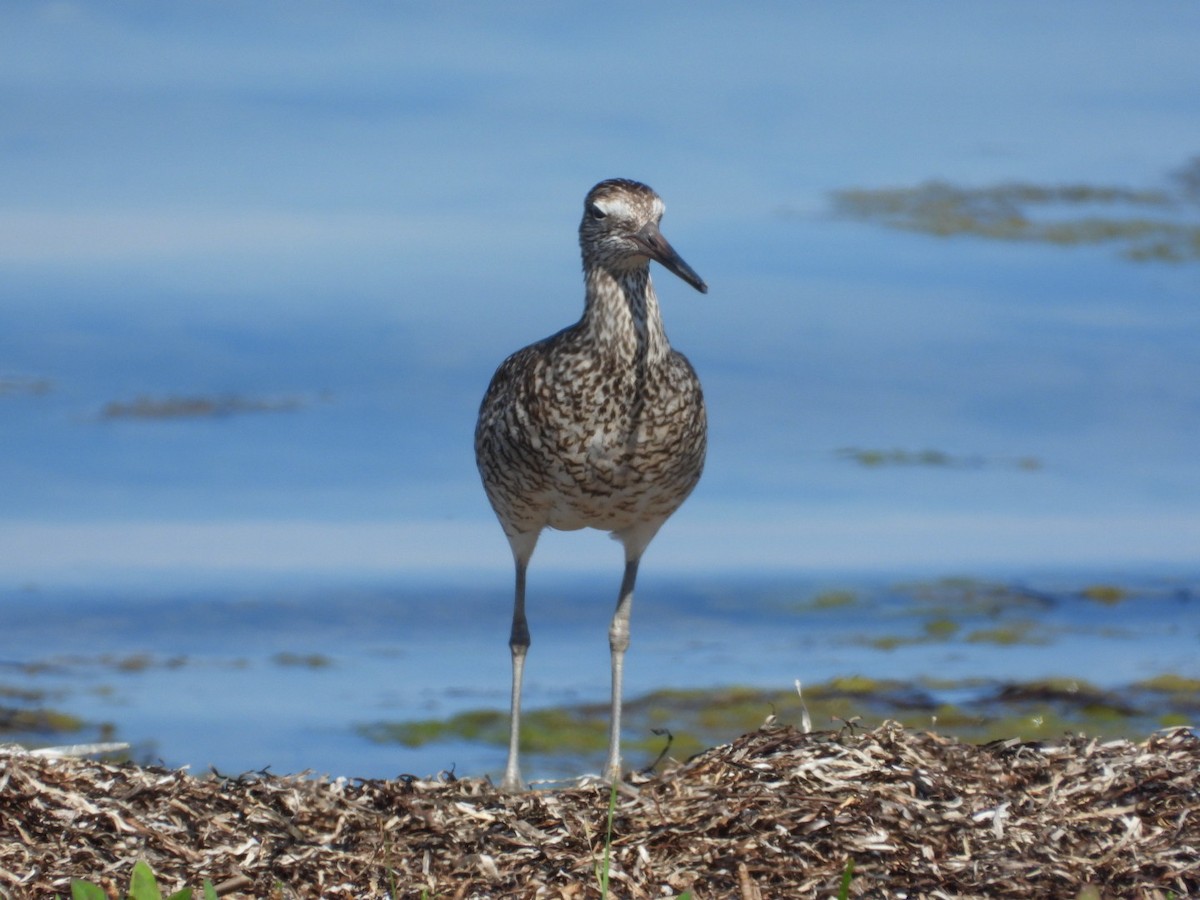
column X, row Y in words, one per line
column 777, row 813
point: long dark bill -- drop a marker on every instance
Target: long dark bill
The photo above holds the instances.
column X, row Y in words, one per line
column 656, row 247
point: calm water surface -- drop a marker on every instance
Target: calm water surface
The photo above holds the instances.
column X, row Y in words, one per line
column 317, row 230
column 280, row 674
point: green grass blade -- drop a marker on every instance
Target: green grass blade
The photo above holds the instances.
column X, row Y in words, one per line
column 85, row 890
column 847, row 874
column 142, row 885
column 612, row 808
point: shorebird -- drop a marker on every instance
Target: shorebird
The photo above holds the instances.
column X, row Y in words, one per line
column 601, row 425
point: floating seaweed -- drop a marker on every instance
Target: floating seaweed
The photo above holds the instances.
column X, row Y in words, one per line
column 13, row 385
column 872, row 458
column 145, row 407
column 1152, row 224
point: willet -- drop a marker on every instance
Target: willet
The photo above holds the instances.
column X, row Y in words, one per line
column 599, row 426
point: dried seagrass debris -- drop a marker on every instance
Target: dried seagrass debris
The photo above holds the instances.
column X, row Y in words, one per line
column 776, row 813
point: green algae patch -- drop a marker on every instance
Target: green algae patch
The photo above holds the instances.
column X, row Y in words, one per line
column 1175, row 720
column 1020, row 632
column 941, row 629
column 1105, row 594
column 21, row 694
column 24, row 712
column 694, row 718
column 873, row 458
column 1143, row 224
column 889, row 642
column 130, row 663
column 965, row 610
column 15, row 385
column 147, row 408
column 832, row 600
column 952, row 716
column 933, row 631
column 851, row 685
column 302, row 660
column 959, row 598
column 484, row 726
column 682, row 722
column 687, row 721
column 1171, row 684
column 135, row 662
column 39, row 721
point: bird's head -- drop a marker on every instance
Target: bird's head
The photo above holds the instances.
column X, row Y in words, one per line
column 620, row 232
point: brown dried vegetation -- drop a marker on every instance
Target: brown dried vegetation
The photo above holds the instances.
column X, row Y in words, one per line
column 777, row 813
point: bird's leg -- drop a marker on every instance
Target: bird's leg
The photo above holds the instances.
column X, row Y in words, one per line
column 518, row 643
column 618, row 643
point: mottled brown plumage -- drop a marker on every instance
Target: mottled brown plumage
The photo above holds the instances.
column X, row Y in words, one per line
column 599, row 426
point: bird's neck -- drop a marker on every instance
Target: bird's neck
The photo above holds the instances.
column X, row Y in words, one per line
column 621, row 314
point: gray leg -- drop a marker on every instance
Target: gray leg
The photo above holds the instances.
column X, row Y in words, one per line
column 518, row 643
column 618, row 643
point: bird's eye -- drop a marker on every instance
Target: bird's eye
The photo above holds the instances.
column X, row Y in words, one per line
column 596, row 212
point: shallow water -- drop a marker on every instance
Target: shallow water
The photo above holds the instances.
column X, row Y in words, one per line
column 282, row 674
column 249, row 302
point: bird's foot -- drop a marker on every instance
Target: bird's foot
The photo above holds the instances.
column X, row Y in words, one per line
column 512, row 783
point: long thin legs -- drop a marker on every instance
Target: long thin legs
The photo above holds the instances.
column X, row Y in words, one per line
column 518, row 643
column 635, row 542
column 618, row 643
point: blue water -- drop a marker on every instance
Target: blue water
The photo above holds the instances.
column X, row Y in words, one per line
column 357, row 212
column 214, row 687
column 362, row 211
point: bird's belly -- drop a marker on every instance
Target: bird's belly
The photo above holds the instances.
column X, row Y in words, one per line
column 611, row 481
